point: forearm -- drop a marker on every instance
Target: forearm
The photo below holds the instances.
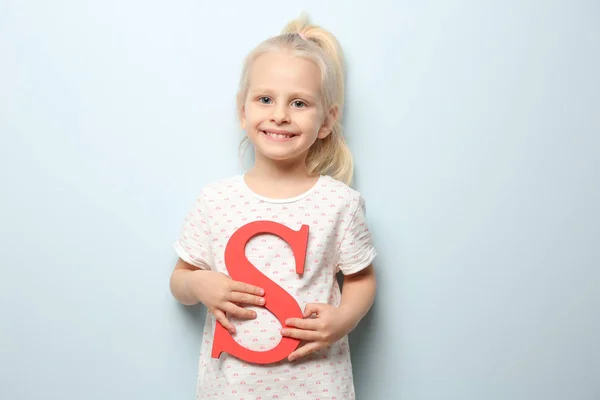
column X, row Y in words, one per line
column 181, row 286
column 358, row 294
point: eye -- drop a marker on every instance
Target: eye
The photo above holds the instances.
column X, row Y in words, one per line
column 264, row 100
column 298, row 104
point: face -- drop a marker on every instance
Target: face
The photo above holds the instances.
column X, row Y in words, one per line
column 283, row 115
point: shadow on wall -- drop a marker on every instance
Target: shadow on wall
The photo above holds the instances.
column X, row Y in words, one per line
column 196, row 315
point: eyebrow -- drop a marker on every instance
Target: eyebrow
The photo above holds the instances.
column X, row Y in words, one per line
column 294, row 94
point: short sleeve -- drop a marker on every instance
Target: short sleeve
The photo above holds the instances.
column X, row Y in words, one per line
column 356, row 250
column 193, row 245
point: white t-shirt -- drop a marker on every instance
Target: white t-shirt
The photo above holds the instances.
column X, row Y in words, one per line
column 339, row 240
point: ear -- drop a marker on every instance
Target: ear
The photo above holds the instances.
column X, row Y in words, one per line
column 327, row 126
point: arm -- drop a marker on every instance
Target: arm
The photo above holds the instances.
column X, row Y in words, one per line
column 182, row 283
column 358, row 294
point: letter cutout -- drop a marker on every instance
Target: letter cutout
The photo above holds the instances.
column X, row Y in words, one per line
column 277, row 300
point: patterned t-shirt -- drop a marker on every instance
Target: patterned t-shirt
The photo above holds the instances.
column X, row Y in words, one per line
column 339, row 240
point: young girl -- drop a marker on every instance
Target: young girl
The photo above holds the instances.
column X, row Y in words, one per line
column 290, row 104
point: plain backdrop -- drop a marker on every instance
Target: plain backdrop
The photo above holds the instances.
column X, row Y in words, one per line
column 475, row 128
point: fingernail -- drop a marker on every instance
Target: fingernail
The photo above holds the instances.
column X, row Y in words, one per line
column 261, row 301
column 262, row 291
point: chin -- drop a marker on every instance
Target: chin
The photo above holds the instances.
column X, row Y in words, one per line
column 280, row 157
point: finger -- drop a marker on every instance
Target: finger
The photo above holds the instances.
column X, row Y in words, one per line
column 238, row 311
column 220, row 316
column 246, row 288
column 245, row 298
column 301, row 334
column 306, row 324
column 305, row 350
column 312, row 308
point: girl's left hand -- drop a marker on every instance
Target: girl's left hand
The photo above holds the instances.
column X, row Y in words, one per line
column 329, row 325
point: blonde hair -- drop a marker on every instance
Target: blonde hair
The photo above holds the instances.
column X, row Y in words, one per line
column 331, row 155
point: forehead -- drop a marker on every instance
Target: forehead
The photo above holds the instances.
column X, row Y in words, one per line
column 283, row 71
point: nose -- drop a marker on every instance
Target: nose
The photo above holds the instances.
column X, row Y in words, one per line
column 280, row 114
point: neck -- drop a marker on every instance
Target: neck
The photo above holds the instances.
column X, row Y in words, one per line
column 280, row 170
column 279, row 179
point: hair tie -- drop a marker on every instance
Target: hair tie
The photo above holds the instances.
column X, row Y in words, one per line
column 302, row 35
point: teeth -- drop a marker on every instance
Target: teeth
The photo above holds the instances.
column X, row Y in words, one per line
column 279, row 135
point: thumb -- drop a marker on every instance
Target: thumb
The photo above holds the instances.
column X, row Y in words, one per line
column 312, row 308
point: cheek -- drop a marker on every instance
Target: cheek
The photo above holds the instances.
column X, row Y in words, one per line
column 254, row 115
column 248, row 119
column 314, row 122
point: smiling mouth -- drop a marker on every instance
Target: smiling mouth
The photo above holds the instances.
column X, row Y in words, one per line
column 279, row 135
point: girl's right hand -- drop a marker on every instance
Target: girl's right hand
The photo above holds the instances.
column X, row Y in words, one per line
column 222, row 295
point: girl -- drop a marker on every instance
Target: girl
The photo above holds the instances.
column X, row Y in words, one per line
column 289, row 104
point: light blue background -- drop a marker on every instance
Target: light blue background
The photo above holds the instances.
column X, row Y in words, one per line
column 475, row 129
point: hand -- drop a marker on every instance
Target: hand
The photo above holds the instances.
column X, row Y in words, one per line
column 329, row 325
column 220, row 294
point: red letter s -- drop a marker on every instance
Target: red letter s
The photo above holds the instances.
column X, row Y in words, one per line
column 277, row 300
